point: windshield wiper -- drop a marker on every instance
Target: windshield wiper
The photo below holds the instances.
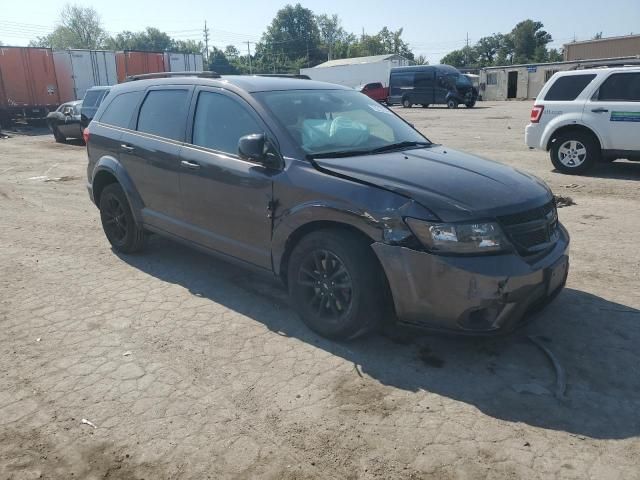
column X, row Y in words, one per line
column 339, row 154
column 399, row 146
column 355, row 153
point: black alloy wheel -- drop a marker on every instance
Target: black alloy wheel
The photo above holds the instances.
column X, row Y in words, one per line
column 121, row 229
column 326, row 284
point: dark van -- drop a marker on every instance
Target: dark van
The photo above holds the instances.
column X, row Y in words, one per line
column 430, row 84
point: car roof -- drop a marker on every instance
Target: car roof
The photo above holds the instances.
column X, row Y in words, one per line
column 597, row 70
column 99, row 87
column 247, row 83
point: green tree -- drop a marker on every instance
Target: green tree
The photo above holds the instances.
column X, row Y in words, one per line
column 187, row 46
column 218, row 62
column 331, row 32
column 151, row 39
column 465, row 57
column 487, row 49
column 293, row 34
column 421, row 60
column 529, row 42
column 78, row 27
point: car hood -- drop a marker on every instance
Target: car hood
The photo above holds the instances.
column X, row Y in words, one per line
column 454, row 185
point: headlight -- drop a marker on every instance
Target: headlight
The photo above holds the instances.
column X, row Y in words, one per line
column 459, row 237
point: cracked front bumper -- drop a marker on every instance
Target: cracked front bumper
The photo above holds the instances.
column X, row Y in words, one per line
column 483, row 294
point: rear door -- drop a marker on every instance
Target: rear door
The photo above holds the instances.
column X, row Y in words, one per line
column 614, row 111
column 226, row 198
column 150, row 154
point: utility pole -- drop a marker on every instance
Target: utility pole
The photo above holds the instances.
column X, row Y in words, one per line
column 206, row 41
column 466, row 51
column 249, row 52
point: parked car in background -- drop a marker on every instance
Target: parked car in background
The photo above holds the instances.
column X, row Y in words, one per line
column 374, row 90
column 92, row 100
column 65, row 121
column 582, row 117
column 362, row 217
column 430, row 85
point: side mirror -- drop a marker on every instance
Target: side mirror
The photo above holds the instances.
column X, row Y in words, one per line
column 256, row 148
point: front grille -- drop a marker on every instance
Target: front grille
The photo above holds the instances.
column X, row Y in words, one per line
column 533, row 230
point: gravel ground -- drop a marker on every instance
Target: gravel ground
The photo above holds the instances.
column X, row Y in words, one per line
column 192, row 368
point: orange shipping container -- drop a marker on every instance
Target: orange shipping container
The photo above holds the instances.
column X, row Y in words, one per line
column 28, row 85
column 130, row 62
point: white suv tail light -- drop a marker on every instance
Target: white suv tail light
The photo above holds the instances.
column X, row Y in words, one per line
column 536, row 113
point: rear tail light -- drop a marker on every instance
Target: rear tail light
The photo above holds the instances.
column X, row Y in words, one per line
column 536, row 113
column 85, row 135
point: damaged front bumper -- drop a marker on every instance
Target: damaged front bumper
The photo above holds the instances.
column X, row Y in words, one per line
column 481, row 294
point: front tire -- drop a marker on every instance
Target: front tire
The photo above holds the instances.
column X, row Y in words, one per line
column 121, row 229
column 58, row 136
column 575, row 152
column 336, row 284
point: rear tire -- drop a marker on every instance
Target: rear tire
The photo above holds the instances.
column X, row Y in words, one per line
column 452, row 103
column 425, row 105
column 406, row 103
column 336, row 284
column 121, row 229
column 575, row 152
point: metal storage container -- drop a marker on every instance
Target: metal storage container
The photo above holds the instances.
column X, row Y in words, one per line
column 183, row 62
column 79, row 70
column 133, row 62
column 28, row 85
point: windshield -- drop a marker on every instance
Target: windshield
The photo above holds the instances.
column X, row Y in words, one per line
column 338, row 121
column 462, row 81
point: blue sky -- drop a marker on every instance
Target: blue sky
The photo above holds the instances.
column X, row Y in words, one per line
column 431, row 28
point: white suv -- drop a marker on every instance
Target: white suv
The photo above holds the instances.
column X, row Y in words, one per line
column 584, row 116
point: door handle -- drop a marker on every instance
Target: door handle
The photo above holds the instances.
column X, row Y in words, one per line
column 191, row 165
column 126, row 148
column 599, row 110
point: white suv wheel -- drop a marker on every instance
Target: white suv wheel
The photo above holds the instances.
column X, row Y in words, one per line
column 572, row 153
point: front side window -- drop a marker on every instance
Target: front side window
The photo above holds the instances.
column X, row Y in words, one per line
column 621, row 87
column 164, row 113
column 329, row 121
column 220, row 121
column 118, row 113
column 568, row 88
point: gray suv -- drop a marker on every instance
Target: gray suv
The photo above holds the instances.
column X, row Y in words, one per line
column 362, row 217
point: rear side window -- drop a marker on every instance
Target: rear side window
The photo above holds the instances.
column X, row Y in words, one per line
column 92, row 97
column 220, row 122
column 621, row 87
column 118, row 113
column 569, row 87
column 164, row 113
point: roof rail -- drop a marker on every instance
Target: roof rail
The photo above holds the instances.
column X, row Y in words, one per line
column 284, row 75
column 146, row 76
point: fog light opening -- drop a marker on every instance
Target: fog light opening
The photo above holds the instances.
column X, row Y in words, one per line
column 481, row 318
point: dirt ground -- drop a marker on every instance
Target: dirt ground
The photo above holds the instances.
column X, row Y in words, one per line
column 191, row 368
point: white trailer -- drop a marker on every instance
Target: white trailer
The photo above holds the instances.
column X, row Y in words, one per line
column 353, row 72
column 79, row 70
column 183, row 62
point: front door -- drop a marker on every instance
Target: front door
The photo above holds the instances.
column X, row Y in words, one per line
column 150, row 154
column 512, row 85
column 614, row 111
column 225, row 199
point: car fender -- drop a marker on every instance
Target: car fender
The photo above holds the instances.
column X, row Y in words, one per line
column 115, row 168
column 571, row 119
column 320, row 211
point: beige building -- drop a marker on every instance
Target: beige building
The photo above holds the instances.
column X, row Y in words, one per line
column 521, row 82
column 611, row 47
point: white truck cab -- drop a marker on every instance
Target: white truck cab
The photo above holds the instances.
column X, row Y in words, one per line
column 585, row 116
